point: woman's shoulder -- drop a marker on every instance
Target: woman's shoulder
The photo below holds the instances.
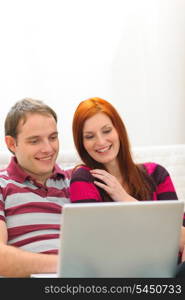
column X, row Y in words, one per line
column 81, row 168
column 153, row 167
column 81, row 172
column 157, row 172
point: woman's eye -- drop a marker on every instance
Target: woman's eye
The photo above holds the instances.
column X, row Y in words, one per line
column 88, row 137
column 107, row 131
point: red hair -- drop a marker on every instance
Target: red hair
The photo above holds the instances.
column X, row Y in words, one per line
column 133, row 174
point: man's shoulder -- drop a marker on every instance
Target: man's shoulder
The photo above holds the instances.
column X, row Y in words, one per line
column 6, row 179
column 63, row 173
column 4, row 174
column 68, row 173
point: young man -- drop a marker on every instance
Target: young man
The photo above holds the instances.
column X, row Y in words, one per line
column 33, row 190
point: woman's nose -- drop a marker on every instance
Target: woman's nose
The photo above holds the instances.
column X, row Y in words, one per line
column 100, row 139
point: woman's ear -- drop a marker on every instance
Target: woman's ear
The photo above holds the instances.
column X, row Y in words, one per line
column 11, row 143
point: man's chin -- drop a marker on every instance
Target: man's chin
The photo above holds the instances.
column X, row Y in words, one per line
column 44, row 172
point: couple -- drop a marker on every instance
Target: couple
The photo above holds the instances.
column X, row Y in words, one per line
column 33, row 188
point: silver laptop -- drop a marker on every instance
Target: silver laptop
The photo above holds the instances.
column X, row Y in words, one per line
column 130, row 239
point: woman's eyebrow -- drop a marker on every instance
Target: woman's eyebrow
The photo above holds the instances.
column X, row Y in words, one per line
column 104, row 126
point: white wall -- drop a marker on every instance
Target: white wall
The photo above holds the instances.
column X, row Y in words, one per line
column 148, row 72
column 130, row 52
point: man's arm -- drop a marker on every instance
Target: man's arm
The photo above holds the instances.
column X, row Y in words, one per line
column 183, row 255
column 182, row 239
column 15, row 262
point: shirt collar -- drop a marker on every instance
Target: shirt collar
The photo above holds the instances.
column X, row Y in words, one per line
column 18, row 174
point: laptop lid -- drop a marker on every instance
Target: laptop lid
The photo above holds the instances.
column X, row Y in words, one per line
column 116, row 239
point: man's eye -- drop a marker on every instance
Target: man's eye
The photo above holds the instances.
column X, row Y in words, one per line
column 53, row 137
column 33, row 141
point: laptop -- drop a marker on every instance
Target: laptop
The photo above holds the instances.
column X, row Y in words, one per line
column 116, row 239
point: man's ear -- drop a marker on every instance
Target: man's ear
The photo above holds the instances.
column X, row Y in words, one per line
column 11, row 143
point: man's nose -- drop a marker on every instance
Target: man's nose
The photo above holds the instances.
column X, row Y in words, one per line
column 46, row 146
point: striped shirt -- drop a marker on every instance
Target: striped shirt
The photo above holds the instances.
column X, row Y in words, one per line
column 32, row 211
column 83, row 189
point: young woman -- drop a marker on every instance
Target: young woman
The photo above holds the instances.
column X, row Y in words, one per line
column 109, row 172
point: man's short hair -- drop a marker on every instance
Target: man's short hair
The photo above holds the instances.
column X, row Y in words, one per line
column 20, row 110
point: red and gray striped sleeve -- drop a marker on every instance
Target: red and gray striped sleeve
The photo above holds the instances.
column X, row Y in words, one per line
column 2, row 216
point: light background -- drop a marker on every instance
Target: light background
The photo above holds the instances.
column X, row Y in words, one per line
column 129, row 52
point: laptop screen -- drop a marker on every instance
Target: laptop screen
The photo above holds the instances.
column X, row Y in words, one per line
column 116, row 239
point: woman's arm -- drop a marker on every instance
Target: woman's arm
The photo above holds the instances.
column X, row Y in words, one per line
column 165, row 190
column 163, row 185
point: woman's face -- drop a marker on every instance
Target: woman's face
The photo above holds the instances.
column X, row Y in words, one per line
column 100, row 139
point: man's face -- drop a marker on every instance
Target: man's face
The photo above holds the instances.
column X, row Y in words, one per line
column 36, row 145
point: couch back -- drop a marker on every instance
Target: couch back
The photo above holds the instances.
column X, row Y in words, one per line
column 172, row 157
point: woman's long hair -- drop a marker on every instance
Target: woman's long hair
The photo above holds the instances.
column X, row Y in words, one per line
column 134, row 175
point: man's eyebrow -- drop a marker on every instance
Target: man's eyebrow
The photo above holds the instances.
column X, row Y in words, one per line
column 32, row 137
column 53, row 133
column 38, row 136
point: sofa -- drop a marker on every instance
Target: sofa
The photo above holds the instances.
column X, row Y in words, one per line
column 172, row 157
